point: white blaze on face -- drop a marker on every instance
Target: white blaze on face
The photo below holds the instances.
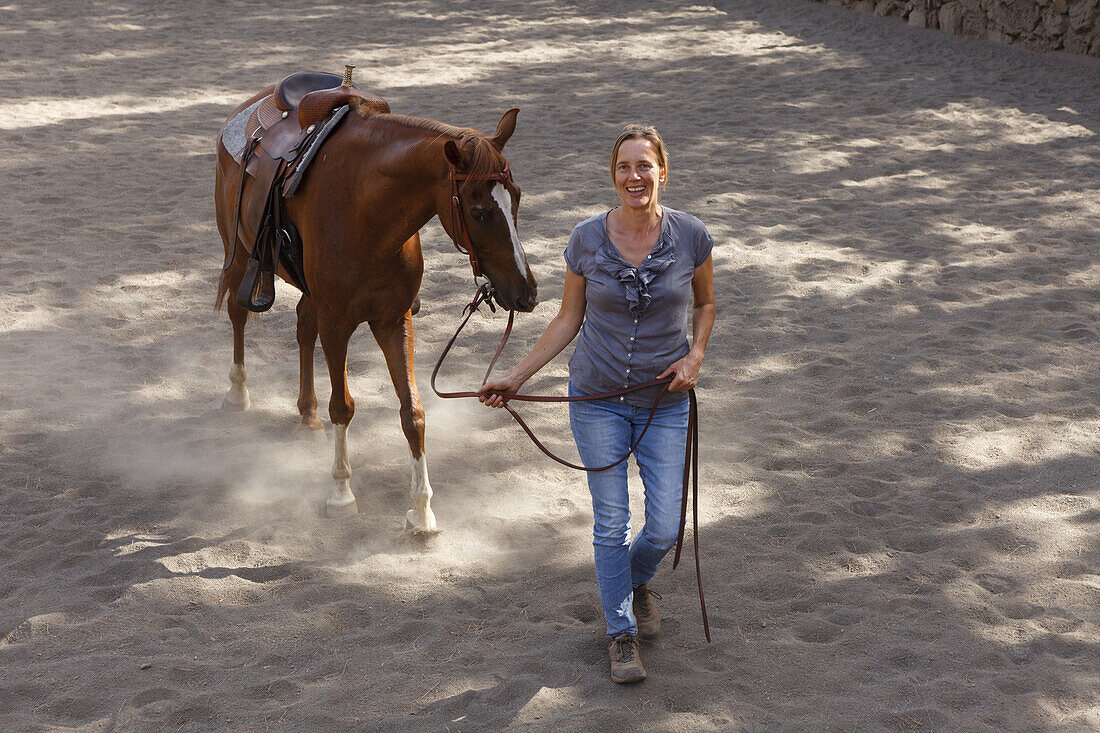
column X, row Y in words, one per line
column 503, row 197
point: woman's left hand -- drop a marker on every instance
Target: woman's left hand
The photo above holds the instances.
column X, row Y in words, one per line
column 686, row 372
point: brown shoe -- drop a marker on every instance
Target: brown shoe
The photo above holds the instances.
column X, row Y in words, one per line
column 645, row 612
column 626, row 663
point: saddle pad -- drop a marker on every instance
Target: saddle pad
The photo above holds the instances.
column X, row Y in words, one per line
column 233, row 134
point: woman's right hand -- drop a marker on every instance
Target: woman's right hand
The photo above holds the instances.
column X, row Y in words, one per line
column 488, row 394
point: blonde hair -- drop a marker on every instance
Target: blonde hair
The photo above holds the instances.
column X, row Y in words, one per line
column 643, row 132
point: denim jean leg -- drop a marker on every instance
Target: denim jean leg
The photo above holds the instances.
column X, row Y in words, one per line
column 660, row 458
column 602, row 433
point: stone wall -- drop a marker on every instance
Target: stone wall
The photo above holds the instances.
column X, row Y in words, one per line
column 1039, row 25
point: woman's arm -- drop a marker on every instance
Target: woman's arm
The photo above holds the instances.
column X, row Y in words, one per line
column 559, row 332
column 702, row 321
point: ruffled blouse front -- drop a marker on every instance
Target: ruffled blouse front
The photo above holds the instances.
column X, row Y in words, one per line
column 635, row 281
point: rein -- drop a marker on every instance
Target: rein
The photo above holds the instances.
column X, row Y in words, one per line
column 484, row 294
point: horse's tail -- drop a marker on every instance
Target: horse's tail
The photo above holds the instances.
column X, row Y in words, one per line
column 223, row 288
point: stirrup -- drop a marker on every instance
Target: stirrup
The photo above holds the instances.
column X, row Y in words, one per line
column 257, row 290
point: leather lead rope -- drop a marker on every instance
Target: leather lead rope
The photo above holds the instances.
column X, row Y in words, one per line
column 691, row 450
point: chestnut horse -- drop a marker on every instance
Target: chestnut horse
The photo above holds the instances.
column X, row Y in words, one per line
column 375, row 183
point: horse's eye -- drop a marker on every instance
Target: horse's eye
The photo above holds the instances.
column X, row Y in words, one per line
column 479, row 216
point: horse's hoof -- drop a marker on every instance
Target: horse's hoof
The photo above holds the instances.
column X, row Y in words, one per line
column 310, row 432
column 420, row 529
column 236, row 405
column 332, row 511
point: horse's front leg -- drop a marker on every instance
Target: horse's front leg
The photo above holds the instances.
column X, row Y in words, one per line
column 307, row 340
column 396, row 341
column 341, row 408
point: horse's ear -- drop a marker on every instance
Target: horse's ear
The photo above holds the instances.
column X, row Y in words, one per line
column 454, row 155
column 505, row 128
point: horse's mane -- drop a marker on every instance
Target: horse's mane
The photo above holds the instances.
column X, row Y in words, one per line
column 484, row 158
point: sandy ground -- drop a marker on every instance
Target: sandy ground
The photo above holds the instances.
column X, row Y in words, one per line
column 901, row 446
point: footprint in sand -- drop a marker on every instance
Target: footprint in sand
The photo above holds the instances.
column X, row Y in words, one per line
column 867, row 489
column 1071, row 570
column 915, row 719
column 1021, row 610
column 1014, row 685
column 869, row 508
column 819, row 632
column 586, row 613
column 827, row 426
column 846, row 617
column 995, row 584
column 282, row 691
column 1079, row 332
column 1018, row 412
column 1064, row 647
column 152, row 695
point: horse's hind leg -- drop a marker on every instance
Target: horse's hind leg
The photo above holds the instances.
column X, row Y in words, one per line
column 397, row 344
column 237, row 397
column 341, row 408
column 307, row 340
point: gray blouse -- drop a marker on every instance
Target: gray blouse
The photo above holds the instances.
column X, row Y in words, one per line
column 636, row 321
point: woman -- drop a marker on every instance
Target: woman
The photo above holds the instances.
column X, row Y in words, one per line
column 633, row 275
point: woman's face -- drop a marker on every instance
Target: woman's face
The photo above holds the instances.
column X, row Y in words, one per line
column 638, row 174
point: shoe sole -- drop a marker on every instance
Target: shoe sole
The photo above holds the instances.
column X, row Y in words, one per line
column 629, row 679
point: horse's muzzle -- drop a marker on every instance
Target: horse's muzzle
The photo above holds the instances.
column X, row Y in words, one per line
column 521, row 295
column 523, row 304
column 527, row 303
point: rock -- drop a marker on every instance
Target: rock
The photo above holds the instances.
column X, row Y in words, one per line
column 1039, row 25
column 889, row 7
column 951, row 19
column 1012, row 17
column 1054, row 21
column 1076, row 43
column 1082, row 15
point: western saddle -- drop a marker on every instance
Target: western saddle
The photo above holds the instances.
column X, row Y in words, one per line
column 284, row 133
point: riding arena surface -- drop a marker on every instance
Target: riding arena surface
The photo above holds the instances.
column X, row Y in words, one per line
column 900, row 452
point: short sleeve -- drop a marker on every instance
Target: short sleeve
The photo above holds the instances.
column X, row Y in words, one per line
column 704, row 243
column 574, row 255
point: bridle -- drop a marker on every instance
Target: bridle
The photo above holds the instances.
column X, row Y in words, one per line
column 484, row 294
column 459, row 234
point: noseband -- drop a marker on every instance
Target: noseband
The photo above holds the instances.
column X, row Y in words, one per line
column 459, row 235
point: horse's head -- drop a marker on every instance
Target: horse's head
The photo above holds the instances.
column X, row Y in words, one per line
column 484, row 216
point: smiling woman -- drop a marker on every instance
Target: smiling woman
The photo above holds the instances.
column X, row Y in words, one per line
column 633, row 275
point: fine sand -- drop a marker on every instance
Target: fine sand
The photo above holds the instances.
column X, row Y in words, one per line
column 901, row 430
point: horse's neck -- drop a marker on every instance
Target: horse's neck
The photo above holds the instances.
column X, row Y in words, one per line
column 407, row 170
column 402, row 151
column 404, row 165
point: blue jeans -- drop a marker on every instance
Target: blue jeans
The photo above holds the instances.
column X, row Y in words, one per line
column 604, row 430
